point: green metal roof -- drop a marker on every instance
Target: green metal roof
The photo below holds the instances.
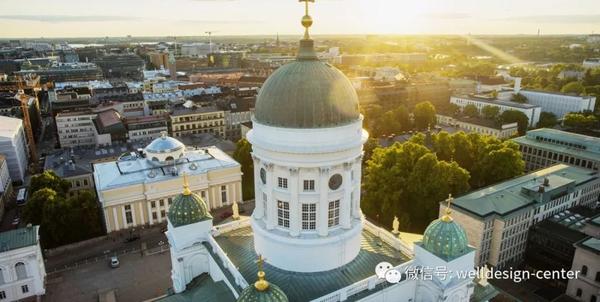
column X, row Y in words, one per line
column 16, row 239
column 272, row 294
column 557, row 141
column 509, row 196
column 592, row 244
column 445, row 239
column 204, row 289
column 188, row 209
column 239, row 246
column 307, row 94
column 483, row 293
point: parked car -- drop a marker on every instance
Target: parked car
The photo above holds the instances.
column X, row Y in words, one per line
column 114, row 262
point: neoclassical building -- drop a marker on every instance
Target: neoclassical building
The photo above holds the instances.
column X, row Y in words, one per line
column 307, row 239
column 138, row 188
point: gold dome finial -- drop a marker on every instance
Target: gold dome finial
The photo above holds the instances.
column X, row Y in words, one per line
column 261, row 284
column 447, row 217
column 307, row 20
column 186, row 185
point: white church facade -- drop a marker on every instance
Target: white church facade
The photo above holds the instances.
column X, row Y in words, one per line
column 307, row 231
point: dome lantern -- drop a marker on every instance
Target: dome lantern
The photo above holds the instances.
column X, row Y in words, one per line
column 187, row 207
column 262, row 290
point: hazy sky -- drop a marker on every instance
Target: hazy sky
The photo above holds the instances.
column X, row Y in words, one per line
column 77, row 18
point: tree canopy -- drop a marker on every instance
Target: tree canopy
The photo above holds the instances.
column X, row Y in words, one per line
column 573, row 87
column 547, row 120
column 243, row 156
column 490, row 112
column 511, row 116
column 518, row 98
column 62, row 220
column 471, row 111
column 424, row 115
column 581, row 121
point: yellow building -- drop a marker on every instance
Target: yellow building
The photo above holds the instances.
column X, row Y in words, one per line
column 191, row 119
column 138, row 188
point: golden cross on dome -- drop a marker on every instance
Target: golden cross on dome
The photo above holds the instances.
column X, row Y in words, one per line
column 261, row 284
column 447, row 217
column 186, row 185
column 260, row 262
column 307, row 19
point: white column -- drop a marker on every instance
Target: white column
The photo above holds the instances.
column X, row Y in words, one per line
column 322, row 206
column 271, row 202
column 133, row 214
column 240, row 194
column 115, row 218
column 295, row 215
column 107, row 221
column 356, row 187
column 259, row 211
column 141, row 208
column 150, row 220
column 345, row 203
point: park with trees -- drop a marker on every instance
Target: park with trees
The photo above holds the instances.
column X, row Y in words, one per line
column 62, row 219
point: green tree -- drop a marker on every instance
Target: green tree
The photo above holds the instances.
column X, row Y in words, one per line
column 453, row 109
column 573, row 87
column 49, row 179
column 407, row 180
column 511, row 116
column 547, row 120
column 242, row 155
column 34, row 209
column 424, row 115
column 490, row 112
column 471, row 111
column 369, row 148
column 580, row 121
column 518, row 98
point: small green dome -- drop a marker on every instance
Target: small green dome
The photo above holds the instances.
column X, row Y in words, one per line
column 272, row 294
column 307, row 93
column 445, row 238
column 188, row 208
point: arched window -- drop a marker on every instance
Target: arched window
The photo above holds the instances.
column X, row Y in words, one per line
column 169, row 158
column 578, row 293
column 584, row 270
column 21, row 270
column 1, row 276
column 597, row 276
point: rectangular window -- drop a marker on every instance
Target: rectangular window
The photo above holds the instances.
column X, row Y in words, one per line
column 2, row 295
column 309, row 185
column 283, row 214
column 85, row 182
column 170, row 201
column 309, row 216
column 154, row 216
column 153, row 204
column 25, row 288
column 128, row 215
column 163, row 214
column 282, row 182
column 264, row 196
column 334, row 213
column 161, row 203
column 224, row 194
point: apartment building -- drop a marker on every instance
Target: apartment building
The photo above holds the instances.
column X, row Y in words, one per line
column 545, row 147
column 191, row 119
column 479, row 126
column 531, row 111
column 76, row 128
column 497, row 218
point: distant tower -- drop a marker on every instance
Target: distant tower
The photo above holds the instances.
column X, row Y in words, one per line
column 277, row 42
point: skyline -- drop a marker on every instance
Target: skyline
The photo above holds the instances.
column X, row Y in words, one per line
column 70, row 18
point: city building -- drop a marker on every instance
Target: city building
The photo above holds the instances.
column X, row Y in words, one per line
column 591, row 63
column 237, row 111
column 70, row 166
column 124, row 66
column 498, row 218
column 479, row 126
column 138, row 188
column 189, row 119
column 65, row 72
column 109, row 128
column 307, row 230
column 198, row 49
column 551, row 243
column 587, row 262
column 545, row 147
column 145, row 128
column 76, row 128
column 159, row 60
column 69, row 98
column 226, row 59
column 558, row 103
column 13, row 145
column 6, row 189
column 22, row 268
column 531, row 111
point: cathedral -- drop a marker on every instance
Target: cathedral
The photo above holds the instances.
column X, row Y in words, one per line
column 307, row 239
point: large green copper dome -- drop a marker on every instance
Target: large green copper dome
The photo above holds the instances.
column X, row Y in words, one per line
column 188, row 208
column 445, row 238
column 307, row 93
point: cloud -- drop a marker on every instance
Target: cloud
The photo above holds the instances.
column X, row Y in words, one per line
column 564, row 19
column 446, row 16
column 103, row 18
column 67, row 18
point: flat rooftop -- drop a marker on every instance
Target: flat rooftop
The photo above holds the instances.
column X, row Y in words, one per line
column 497, row 102
column 506, row 197
column 131, row 169
column 583, row 146
column 19, row 238
column 239, row 246
column 9, row 127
